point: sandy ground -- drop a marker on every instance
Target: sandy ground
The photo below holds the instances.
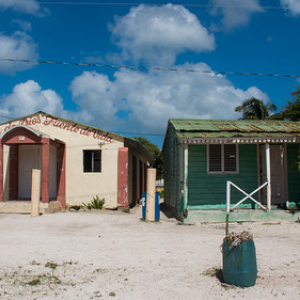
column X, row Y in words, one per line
column 115, row 255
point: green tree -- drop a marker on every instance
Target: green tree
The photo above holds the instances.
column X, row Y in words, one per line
column 291, row 111
column 155, row 152
column 255, row 109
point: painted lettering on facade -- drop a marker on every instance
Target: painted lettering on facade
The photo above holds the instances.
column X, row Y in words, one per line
column 55, row 122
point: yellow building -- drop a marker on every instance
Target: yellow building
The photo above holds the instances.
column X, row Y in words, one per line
column 77, row 162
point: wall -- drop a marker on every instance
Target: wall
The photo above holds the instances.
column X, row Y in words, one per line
column 80, row 186
column 293, row 173
column 172, row 187
column 210, row 189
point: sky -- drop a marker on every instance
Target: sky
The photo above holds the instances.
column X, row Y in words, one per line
column 157, row 54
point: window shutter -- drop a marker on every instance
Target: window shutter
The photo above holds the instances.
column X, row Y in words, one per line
column 215, row 158
column 230, row 158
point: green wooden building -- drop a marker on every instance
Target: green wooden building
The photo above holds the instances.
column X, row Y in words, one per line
column 214, row 164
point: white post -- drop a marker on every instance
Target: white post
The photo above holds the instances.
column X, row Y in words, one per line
column 228, row 196
column 268, row 167
column 35, row 192
column 150, row 198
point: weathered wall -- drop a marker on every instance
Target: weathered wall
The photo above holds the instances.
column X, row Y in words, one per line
column 293, row 173
column 210, row 189
column 80, row 186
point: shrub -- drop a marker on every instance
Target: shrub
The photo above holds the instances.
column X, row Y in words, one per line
column 96, row 203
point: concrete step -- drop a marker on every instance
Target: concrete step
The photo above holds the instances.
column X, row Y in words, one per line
column 242, row 215
column 24, row 207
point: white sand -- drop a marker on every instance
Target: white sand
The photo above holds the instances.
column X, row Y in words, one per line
column 114, row 255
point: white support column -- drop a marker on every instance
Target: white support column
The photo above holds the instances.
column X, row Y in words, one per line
column 228, row 193
column 185, row 179
column 150, row 203
column 268, row 171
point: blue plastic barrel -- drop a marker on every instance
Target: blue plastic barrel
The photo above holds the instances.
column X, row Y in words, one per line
column 239, row 263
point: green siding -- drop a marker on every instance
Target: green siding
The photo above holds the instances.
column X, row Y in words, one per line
column 172, row 170
column 293, row 173
column 210, row 189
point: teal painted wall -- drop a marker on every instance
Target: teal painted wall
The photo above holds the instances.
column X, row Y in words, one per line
column 293, row 173
column 172, row 170
column 210, row 189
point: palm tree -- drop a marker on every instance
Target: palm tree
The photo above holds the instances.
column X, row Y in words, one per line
column 255, row 109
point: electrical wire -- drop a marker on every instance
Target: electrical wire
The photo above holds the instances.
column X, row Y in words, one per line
column 149, row 68
column 151, row 3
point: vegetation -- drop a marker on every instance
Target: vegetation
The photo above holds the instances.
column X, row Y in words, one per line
column 156, row 153
column 255, row 109
column 96, row 203
column 291, row 111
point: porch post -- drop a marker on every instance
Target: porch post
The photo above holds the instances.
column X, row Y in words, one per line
column 185, row 179
column 268, row 171
column 45, row 173
column 1, row 171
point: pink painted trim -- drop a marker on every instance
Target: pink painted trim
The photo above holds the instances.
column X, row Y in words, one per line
column 123, row 177
column 13, row 171
column 61, row 175
column 1, row 171
column 45, row 172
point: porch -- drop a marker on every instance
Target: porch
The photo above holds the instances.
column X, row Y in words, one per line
column 275, row 215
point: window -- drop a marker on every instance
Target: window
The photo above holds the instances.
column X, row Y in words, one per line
column 92, row 161
column 222, row 158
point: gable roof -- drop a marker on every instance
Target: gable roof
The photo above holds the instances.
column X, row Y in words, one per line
column 127, row 141
column 199, row 131
column 193, row 128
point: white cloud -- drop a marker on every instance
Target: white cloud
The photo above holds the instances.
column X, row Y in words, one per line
column 28, row 97
column 25, row 26
column 236, row 13
column 156, row 34
column 150, row 99
column 28, row 6
column 18, row 46
column 293, row 6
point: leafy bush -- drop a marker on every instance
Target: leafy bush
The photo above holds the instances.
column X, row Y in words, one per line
column 96, row 203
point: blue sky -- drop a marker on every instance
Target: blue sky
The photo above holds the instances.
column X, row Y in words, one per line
column 252, row 36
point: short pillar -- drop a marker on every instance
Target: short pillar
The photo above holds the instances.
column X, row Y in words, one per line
column 35, row 192
column 150, row 203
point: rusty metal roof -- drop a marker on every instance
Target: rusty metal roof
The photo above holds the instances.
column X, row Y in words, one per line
column 193, row 128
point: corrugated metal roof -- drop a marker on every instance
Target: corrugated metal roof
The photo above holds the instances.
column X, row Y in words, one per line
column 192, row 128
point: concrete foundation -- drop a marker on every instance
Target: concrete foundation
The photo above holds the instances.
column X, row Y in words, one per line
column 24, row 207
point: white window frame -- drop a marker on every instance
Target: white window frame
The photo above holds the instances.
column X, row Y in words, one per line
column 222, row 160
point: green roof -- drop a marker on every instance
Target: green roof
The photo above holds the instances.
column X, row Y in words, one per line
column 193, row 128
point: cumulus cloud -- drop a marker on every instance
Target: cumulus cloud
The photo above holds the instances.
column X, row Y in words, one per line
column 28, row 97
column 27, row 7
column 235, row 13
column 157, row 34
column 293, row 6
column 17, row 46
column 150, row 99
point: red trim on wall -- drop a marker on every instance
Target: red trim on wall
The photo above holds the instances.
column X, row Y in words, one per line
column 13, row 172
column 20, row 135
column 45, row 171
column 134, row 181
column 123, row 178
column 1, row 171
column 141, row 174
column 61, row 175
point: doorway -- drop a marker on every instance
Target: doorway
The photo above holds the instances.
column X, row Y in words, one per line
column 278, row 163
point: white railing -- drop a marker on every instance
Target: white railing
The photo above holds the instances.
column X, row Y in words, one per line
column 248, row 196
